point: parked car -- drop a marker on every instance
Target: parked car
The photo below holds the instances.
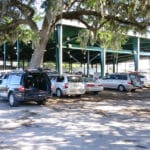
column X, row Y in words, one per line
column 22, row 86
column 122, row 81
column 66, row 85
column 91, row 85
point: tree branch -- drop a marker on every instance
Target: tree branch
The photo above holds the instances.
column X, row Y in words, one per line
column 12, row 25
column 79, row 15
column 28, row 13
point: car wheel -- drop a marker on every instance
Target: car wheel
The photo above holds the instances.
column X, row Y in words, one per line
column 12, row 100
column 58, row 93
column 121, row 88
column 78, row 96
column 133, row 90
column 41, row 102
column 96, row 92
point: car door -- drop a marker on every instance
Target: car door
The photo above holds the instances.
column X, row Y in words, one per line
column 113, row 82
column 60, row 83
column 53, row 78
column 3, row 86
column 109, row 82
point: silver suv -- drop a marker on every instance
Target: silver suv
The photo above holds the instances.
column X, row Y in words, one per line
column 66, row 84
column 122, row 81
column 23, row 86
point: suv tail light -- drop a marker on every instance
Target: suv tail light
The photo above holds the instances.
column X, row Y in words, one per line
column 130, row 82
column 21, row 89
column 66, row 85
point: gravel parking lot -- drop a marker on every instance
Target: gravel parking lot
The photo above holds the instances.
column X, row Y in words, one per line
column 110, row 120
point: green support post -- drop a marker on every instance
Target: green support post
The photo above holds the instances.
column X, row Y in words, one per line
column 136, row 53
column 114, row 64
column 88, row 62
column 57, row 59
column 103, row 62
column 59, row 53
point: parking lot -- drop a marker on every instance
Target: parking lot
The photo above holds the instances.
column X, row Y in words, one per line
column 110, row 120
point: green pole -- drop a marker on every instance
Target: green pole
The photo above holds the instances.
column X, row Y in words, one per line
column 57, row 59
column 59, row 52
column 88, row 62
column 103, row 62
column 136, row 53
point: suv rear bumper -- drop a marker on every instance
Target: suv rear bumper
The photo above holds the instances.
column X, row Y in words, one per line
column 21, row 97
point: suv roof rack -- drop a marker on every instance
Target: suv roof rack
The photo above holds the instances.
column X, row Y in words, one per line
column 34, row 70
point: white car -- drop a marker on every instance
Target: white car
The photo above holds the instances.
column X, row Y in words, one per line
column 122, row 81
column 92, row 85
column 67, row 85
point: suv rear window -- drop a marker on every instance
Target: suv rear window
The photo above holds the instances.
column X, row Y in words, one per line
column 36, row 80
column 74, row 79
column 60, row 78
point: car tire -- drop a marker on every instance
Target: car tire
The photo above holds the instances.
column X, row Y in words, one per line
column 41, row 102
column 121, row 88
column 96, row 92
column 12, row 100
column 133, row 90
column 78, row 96
column 58, row 93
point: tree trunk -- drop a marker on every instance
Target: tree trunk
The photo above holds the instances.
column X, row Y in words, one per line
column 40, row 48
column 37, row 58
column 44, row 34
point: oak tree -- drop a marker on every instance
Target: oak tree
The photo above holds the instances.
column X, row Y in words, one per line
column 120, row 15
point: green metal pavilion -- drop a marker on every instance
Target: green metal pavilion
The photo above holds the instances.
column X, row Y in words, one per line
column 68, row 47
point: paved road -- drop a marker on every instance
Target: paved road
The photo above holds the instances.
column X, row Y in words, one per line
column 110, row 120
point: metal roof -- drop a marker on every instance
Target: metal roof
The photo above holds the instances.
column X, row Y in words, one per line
column 73, row 52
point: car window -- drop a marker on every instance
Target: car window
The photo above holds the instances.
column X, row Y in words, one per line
column 112, row 76
column 89, row 80
column 37, row 80
column 141, row 76
column 92, row 80
column 122, row 77
column 3, row 80
column 15, row 79
column 60, row 78
column 52, row 77
column 74, row 79
column 85, row 79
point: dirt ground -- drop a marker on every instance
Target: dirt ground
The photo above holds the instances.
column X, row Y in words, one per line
column 110, row 120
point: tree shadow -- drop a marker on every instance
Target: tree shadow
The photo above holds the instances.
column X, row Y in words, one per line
column 75, row 124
